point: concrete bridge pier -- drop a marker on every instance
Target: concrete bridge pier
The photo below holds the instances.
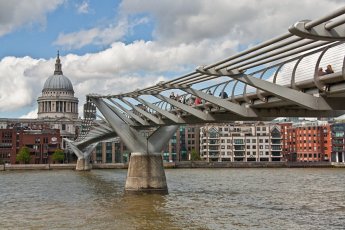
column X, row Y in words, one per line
column 145, row 170
column 146, row 174
column 83, row 162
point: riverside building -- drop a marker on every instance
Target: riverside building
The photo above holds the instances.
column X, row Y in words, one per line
column 185, row 140
column 338, row 143
column 240, row 141
column 41, row 144
column 307, row 141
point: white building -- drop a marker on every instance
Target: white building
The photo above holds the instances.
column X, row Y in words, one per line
column 240, row 142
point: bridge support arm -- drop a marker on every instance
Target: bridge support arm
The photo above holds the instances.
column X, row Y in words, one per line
column 302, row 99
column 83, row 162
column 297, row 97
column 145, row 170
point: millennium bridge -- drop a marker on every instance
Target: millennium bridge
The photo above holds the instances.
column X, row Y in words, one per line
column 299, row 73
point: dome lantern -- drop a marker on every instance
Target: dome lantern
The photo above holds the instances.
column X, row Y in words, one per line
column 58, row 81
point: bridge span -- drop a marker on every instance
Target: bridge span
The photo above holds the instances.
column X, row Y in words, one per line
column 299, row 73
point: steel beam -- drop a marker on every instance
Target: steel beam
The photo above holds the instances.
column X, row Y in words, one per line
column 144, row 113
column 163, row 112
column 187, row 108
column 130, row 113
column 232, row 107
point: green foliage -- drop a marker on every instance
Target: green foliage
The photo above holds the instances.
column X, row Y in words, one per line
column 58, row 155
column 23, row 155
column 194, row 156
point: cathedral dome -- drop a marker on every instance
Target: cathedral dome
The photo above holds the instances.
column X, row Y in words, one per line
column 58, row 81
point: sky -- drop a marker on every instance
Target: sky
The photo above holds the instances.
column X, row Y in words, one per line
column 114, row 46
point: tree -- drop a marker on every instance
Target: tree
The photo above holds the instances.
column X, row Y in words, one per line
column 58, row 155
column 194, row 156
column 23, row 155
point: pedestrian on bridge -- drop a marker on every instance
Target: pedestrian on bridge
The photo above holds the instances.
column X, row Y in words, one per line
column 329, row 69
column 320, row 72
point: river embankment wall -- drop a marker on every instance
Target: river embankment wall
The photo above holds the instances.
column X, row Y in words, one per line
column 181, row 164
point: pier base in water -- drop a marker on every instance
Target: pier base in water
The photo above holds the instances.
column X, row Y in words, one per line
column 146, row 174
column 83, row 165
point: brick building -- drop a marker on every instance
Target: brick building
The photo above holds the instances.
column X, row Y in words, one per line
column 41, row 143
column 306, row 142
column 7, row 145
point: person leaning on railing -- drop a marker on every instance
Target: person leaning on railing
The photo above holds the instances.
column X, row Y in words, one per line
column 329, row 69
column 320, row 72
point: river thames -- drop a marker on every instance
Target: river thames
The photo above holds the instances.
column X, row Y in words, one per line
column 197, row 199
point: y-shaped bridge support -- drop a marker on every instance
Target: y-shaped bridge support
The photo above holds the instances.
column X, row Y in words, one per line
column 83, row 162
column 145, row 170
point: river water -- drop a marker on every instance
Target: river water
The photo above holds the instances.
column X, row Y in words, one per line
column 197, row 199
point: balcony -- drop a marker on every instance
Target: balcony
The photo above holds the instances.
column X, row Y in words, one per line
column 238, row 154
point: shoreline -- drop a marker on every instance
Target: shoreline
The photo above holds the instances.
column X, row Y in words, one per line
column 181, row 164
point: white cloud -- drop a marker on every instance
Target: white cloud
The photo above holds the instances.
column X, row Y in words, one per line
column 31, row 114
column 17, row 13
column 96, row 36
column 83, row 8
column 246, row 20
column 16, row 88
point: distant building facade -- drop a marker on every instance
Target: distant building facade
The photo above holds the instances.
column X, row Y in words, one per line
column 185, row 140
column 240, row 142
column 338, row 143
column 41, row 144
column 307, row 141
column 110, row 151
